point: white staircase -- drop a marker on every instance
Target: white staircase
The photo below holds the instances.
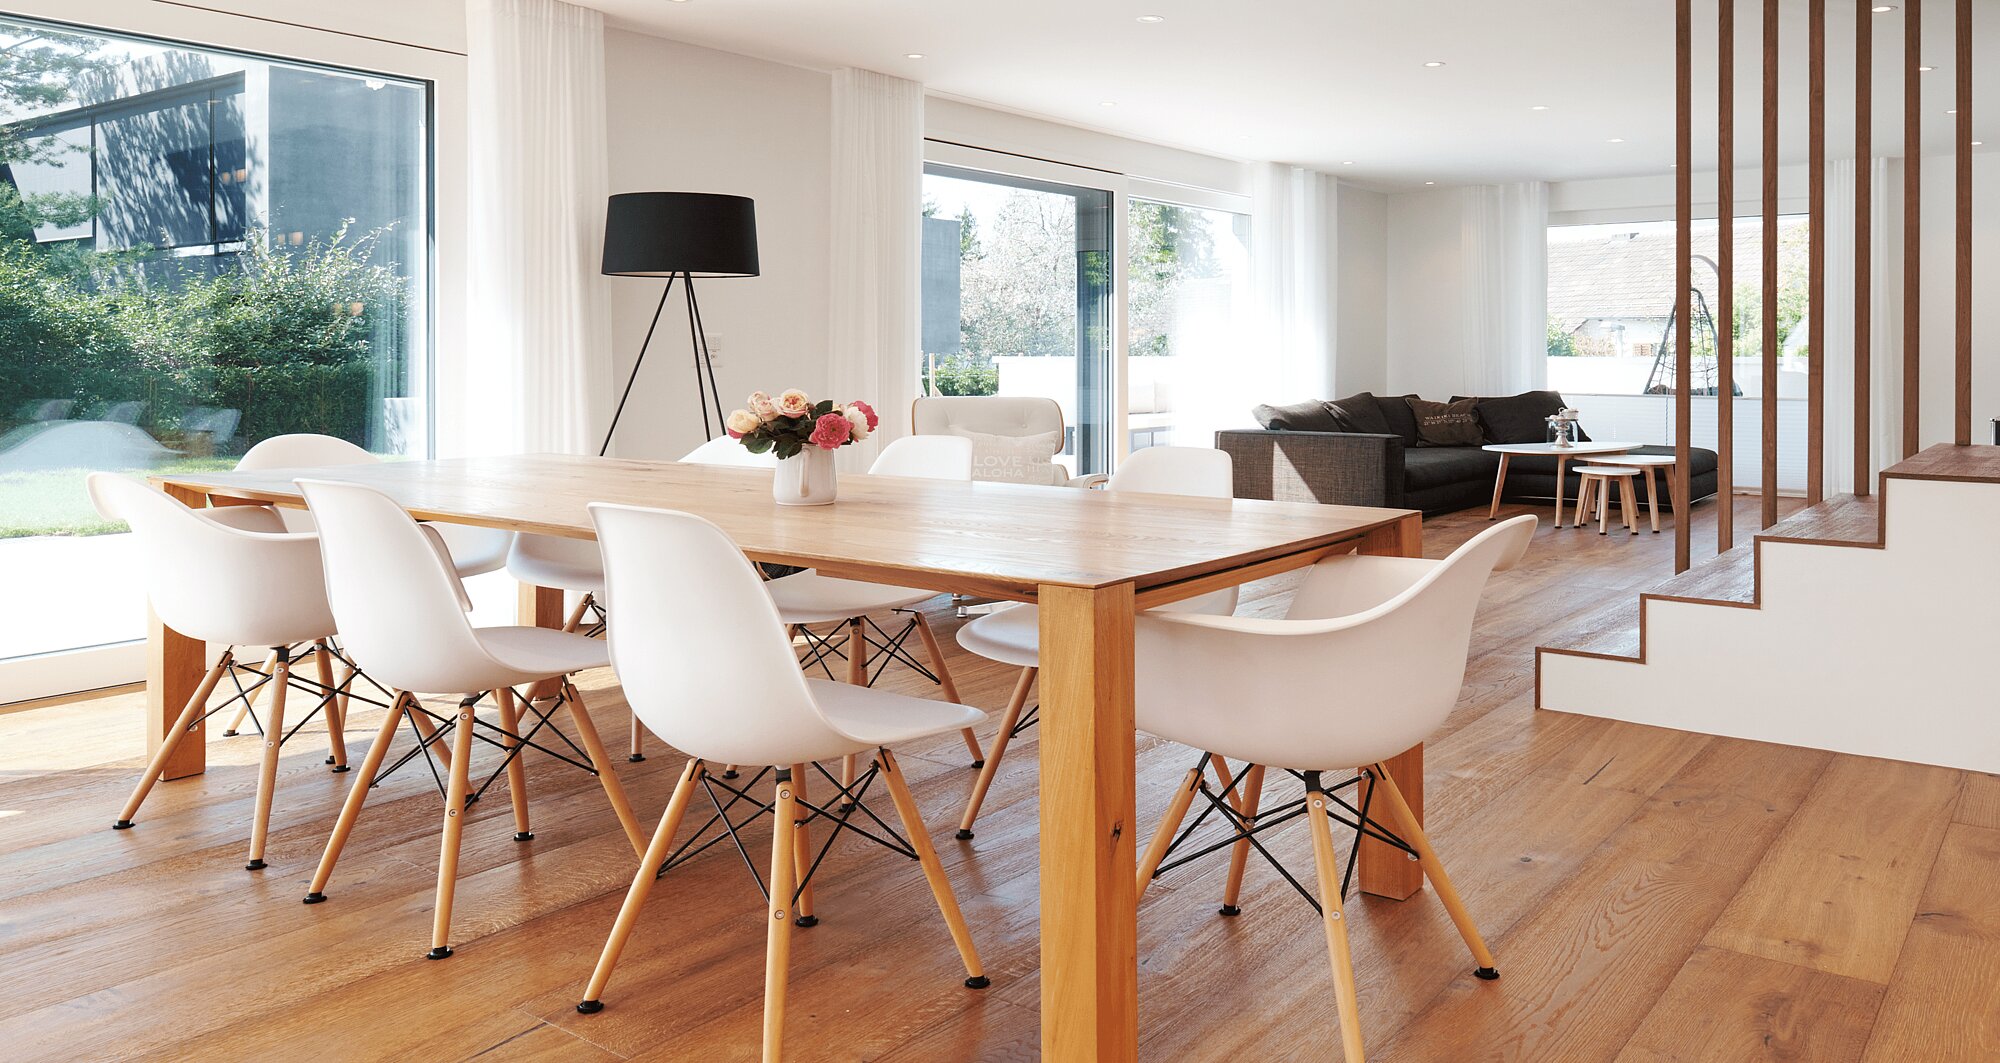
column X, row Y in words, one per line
column 1884, row 644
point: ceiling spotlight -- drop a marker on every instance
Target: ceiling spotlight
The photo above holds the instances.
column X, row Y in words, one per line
column 1883, row 9
column 1978, row 143
column 1151, row 20
column 1434, row 64
column 906, row 55
column 1954, row 111
column 1430, row 182
column 1925, row 69
column 1107, row 103
column 1347, row 162
column 1539, row 107
column 1615, row 140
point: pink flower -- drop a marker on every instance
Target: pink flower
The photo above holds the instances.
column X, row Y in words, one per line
column 761, row 405
column 794, row 403
column 867, row 411
column 831, row 432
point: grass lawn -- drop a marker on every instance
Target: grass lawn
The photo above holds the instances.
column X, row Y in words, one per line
column 54, row 502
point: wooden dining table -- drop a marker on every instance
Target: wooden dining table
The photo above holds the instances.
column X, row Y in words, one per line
column 1090, row 559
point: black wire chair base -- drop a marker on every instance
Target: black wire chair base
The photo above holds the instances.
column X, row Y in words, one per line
column 1239, row 827
column 295, row 681
column 879, row 646
column 492, row 734
column 722, row 825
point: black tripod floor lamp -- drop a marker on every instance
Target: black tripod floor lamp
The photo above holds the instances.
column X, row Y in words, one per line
column 679, row 236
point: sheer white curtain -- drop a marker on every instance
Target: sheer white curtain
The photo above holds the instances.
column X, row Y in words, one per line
column 878, row 178
column 1885, row 346
column 538, row 335
column 1294, row 260
column 1504, row 244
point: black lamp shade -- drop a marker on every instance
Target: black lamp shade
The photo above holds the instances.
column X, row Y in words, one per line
column 662, row 234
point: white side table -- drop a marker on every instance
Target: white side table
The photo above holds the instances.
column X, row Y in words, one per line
column 1649, row 463
column 1563, row 456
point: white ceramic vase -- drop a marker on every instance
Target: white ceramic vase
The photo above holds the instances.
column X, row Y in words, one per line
column 805, row 479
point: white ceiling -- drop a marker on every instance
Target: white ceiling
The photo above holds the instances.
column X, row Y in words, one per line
column 1342, row 86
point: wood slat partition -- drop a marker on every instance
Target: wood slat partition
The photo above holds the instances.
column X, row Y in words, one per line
column 1864, row 156
column 1962, row 351
column 1725, row 268
column 1913, row 157
column 1816, row 258
column 1683, row 273
column 1769, row 164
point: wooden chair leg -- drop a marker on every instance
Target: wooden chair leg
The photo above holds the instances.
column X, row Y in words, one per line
column 1327, row 862
column 455, row 813
column 857, row 653
column 1008, row 721
column 601, row 760
column 267, row 772
column 778, row 934
column 920, row 840
column 1225, row 781
column 943, row 670
column 1413, row 832
column 517, row 772
column 172, row 740
column 576, row 615
column 637, row 752
column 371, row 762
column 642, row 887
column 330, row 707
column 802, row 850
column 1239, row 855
column 249, row 700
column 1170, row 824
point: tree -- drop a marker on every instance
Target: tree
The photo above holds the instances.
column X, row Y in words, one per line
column 39, row 72
column 1562, row 342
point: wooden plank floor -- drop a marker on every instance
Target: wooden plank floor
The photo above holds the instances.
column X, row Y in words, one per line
column 1652, row 895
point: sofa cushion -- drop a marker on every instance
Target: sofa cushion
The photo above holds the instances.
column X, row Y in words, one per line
column 1522, row 418
column 1428, row 467
column 1396, row 412
column 1298, row 417
column 1448, row 424
column 1359, row 413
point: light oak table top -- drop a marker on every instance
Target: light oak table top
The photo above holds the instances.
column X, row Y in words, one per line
column 999, row 539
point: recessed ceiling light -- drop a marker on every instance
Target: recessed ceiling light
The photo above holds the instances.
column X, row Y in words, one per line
column 1434, row 64
column 1615, row 140
column 1151, row 19
column 1430, row 182
column 1978, row 143
column 1952, row 112
column 1539, row 107
column 1925, row 69
column 1347, row 162
column 1883, row 9
column 1107, row 103
column 906, row 55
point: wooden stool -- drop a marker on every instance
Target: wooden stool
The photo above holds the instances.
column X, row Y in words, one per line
column 1596, row 488
column 1648, row 463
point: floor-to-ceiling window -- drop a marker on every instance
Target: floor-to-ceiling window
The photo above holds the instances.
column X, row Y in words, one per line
column 1187, row 300
column 198, row 250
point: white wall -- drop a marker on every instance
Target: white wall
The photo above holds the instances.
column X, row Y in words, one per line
column 684, row 118
column 1360, row 356
column 1425, row 302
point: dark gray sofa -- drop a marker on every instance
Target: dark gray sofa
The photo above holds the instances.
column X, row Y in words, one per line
column 1386, row 469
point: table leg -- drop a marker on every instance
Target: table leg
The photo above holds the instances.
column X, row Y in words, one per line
column 1090, row 927
column 1562, row 465
column 541, row 607
column 174, row 667
column 1386, row 871
column 1500, row 483
column 1653, row 498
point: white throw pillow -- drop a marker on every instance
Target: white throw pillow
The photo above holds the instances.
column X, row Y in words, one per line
column 1015, row 459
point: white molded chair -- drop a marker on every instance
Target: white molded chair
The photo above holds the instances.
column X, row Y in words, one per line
column 808, row 598
column 1366, row 664
column 394, row 598
column 721, row 684
column 1013, row 635
column 722, row 450
column 231, row 587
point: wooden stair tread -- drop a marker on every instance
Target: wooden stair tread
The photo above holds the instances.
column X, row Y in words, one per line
column 1612, row 629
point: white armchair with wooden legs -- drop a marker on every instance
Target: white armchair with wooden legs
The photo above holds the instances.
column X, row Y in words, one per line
column 805, row 599
column 719, row 682
column 398, row 607
column 1368, row 662
column 1013, row 635
column 231, row 587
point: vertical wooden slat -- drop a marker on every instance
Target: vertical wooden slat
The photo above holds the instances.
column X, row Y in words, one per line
column 1864, row 218
column 1769, row 323
column 1725, row 268
column 1816, row 265
column 1913, row 152
column 1683, row 273
column 1962, row 350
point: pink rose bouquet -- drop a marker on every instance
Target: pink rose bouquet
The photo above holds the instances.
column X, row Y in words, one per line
column 791, row 422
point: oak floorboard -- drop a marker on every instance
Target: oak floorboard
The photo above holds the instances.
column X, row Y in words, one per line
column 1943, row 1005
column 1979, row 802
column 1838, row 889
column 1725, row 1007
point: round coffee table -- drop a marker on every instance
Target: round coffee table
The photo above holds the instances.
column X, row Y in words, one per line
column 1562, row 455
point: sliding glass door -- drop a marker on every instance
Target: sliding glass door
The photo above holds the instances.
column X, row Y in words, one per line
column 198, row 250
column 1188, row 302
column 1017, row 298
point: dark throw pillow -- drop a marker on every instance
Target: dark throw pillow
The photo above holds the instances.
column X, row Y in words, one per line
column 1298, row 417
column 1447, row 424
column 1396, row 413
column 1359, row 413
column 1522, row 418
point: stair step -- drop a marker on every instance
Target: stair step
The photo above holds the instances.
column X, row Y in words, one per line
column 1727, row 579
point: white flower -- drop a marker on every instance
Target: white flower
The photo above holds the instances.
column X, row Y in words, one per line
column 859, row 420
